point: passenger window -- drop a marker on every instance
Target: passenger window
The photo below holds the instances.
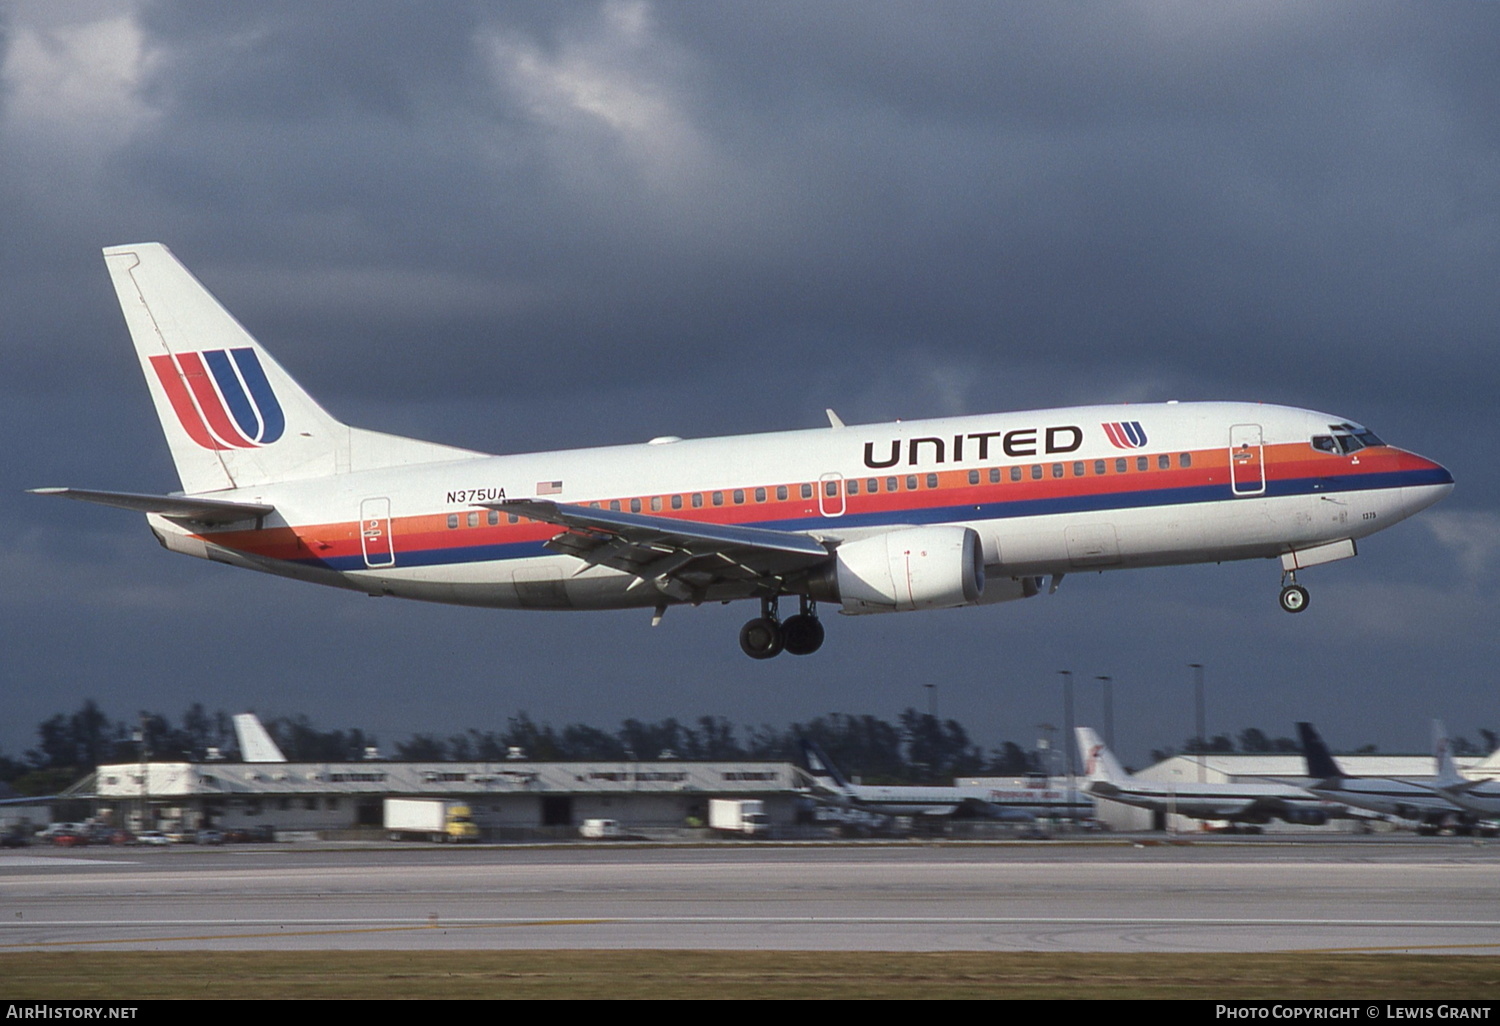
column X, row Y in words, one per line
column 831, row 489
column 760, row 495
column 656, row 503
column 635, row 505
column 614, row 504
column 911, row 482
column 1163, row 462
column 452, row 521
column 1015, row 473
column 493, row 518
column 718, row 498
column 1120, row 466
column 1036, row 471
column 739, row 496
column 1185, row 460
column 890, row 484
column 781, row 493
column 1141, row 463
column 853, row 486
column 994, row 475
column 512, row 518
column 474, row 519
column 676, row 502
column 807, row 491
column 1078, row 470
column 1057, row 470
column 1099, row 468
column 697, row 500
column 973, row 477
column 931, row 480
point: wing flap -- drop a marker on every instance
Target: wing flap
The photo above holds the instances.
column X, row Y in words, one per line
column 663, row 550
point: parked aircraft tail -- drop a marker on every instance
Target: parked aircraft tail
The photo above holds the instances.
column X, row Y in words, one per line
column 1320, row 762
column 1442, row 757
column 256, row 744
column 817, row 763
column 232, row 416
column 1099, row 763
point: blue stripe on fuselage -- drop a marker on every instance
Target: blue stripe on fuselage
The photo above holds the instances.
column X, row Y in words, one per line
column 967, row 511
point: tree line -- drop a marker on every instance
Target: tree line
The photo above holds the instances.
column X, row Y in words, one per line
column 917, row 748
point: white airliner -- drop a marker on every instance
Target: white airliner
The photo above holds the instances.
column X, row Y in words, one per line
column 1022, row 804
column 1425, row 802
column 1237, row 802
column 877, row 518
column 1480, row 797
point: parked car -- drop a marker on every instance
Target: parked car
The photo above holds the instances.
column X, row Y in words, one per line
column 154, row 837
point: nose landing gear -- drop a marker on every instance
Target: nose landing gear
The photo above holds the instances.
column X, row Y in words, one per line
column 768, row 636
column 1293, row 596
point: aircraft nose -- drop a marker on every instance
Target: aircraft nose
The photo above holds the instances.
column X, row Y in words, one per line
column 1428, row 482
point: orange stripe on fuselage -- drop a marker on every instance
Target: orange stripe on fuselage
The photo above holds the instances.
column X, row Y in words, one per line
column 430, row 531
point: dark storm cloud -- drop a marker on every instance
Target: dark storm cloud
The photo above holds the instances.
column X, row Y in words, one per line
column 1006, row 186
column 528, row 226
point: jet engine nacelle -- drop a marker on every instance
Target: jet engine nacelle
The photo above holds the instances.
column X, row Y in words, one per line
column 911, row 568
column 1306, row 817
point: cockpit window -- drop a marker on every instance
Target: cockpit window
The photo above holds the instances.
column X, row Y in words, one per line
column 1349, row 438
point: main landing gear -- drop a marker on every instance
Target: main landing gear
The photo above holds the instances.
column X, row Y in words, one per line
column 768, row 635
column 1293, row 595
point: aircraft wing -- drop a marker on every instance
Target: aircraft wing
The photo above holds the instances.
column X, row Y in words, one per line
column 682, row 558
column 178, row 507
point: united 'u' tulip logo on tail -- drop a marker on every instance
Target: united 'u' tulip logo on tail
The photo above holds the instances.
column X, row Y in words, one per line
column 222, row 397
column 1125, row 434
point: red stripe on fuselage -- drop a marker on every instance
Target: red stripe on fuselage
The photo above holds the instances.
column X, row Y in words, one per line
column 430, row 532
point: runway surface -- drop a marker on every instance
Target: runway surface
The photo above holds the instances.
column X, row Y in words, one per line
column 1419, row 896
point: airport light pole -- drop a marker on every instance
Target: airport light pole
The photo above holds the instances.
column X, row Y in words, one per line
column 1197, row 669
column 1044, row 744
column 1109, row 711
column 1068, row 742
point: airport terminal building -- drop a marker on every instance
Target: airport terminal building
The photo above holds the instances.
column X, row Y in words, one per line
column 507, row 800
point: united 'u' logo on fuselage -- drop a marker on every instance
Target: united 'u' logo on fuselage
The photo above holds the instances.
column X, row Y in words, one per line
column 1125, row 434
column 221, row 397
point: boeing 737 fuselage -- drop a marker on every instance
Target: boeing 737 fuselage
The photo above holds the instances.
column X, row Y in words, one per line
column 876, row 519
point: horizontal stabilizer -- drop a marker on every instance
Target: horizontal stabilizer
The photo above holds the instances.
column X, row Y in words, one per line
column 178, row 507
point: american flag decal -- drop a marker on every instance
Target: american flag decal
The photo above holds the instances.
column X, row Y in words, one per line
column 548, row 487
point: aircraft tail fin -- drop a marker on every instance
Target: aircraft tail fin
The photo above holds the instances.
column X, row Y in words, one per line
column 232, row 416
column 1320, row 761
column 1099, row 763
column 820, row 767
column 1442, row 757
column 255, row 743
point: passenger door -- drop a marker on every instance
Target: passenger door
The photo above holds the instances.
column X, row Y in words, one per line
column 1247, row 469
column 375, row 533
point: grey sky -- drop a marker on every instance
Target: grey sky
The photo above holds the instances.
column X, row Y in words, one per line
column 529, row 226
